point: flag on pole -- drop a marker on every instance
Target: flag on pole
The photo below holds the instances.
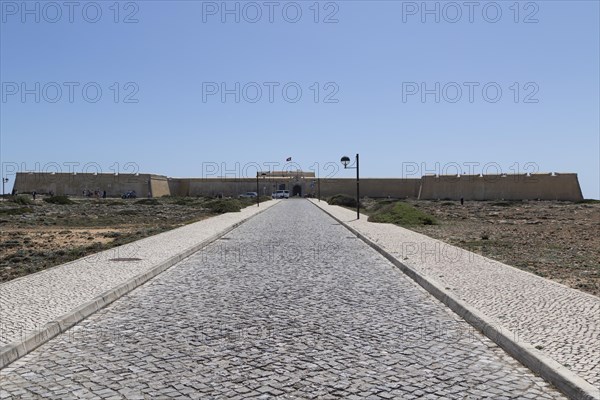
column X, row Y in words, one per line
column 288, row 159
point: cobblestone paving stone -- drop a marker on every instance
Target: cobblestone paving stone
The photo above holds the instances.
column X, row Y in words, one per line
column 563, row 323
column 28, row 303
column 288, row 305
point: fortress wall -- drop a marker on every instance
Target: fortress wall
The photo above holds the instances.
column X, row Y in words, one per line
column 74, row 185
column 228, row 188
column 232, row 187
column 178, row 187
column 471, row 187
column 159, row 186
column 369, row 187
column 397, row 188
column 507, row 187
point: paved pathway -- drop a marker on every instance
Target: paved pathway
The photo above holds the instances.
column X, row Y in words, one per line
column 563, row 323
column 288, row 305
column 28, row 303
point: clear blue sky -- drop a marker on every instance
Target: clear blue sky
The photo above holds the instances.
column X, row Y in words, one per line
column 373, row 57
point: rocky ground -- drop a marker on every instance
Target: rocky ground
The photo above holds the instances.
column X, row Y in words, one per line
column 40, row 235
column 556, row 240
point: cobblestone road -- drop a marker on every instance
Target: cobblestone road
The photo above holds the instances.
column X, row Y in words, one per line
column 561, row 322
column 288, row 305
column 30, row 302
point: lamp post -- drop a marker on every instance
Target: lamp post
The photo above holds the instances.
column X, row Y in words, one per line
column 257, row 188
column 4, row 180
column 345, row 161
column 318, row 184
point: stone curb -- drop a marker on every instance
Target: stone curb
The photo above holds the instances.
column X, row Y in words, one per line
column 572, row 385
column 13, row 351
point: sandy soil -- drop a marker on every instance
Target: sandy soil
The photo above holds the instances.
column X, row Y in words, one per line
column 39, row 236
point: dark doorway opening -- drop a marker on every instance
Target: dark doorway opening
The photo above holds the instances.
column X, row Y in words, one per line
column 297, row 190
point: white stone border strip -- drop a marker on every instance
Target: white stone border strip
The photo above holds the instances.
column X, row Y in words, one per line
column 572, row 385
column 13, row 351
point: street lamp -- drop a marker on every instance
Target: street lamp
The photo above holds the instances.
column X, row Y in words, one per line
column 257, row 188
column 345, row 161
column 319, row 188
column 4, row 180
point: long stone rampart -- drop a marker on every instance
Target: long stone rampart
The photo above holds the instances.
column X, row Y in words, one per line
column 507, row 187
column 556, row 186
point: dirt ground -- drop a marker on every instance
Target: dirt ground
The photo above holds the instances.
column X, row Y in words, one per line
column 556, row 240
column 38, row 236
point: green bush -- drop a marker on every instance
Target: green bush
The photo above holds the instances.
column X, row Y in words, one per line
column 148, row 202
column 245, row 201
column 58, row 200
column 22, row 199
column 402, row 214
column 127, row 212
column 507, row 203
column 15, row 211
column 112, row 235
column 183, row 201
column 113, row 203
column 588, row 201
column 379, row 204
column 221, row 206
column 342, row 200
column 186, row 201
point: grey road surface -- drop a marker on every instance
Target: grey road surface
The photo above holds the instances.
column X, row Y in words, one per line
column 288, row 305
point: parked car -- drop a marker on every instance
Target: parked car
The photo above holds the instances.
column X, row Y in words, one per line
column 249, row 195
column 281, row 194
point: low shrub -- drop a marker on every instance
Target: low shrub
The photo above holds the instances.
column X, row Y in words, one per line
column 15, row 211
column 148, row 202
column 111, row 203
column 187, row 201
column 222, row 206
column 127, row 212
column 588, row 201
column 506, row 203
column 342, row 200
column 58, row 200
column 183, row 201
column 22, row 200
column 112, row 235
column 402, row 214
